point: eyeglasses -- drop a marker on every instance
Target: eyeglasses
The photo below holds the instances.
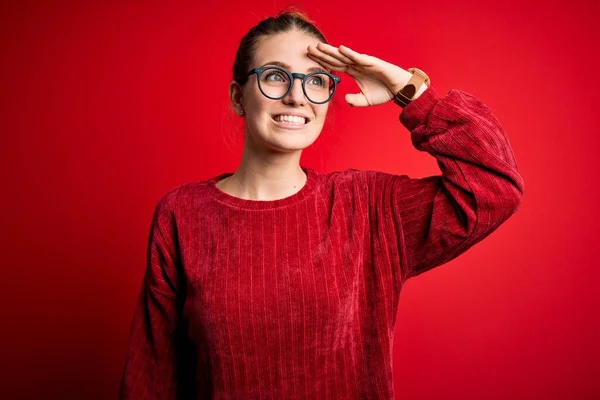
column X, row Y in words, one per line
column 275, row 83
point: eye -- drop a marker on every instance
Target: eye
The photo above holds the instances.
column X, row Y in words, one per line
column 316, row 80
column 277, row 76
column 320, row 80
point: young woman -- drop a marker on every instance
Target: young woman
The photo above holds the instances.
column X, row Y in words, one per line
column 282, row 282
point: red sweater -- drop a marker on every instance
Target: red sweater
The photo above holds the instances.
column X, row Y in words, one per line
column 296, row 298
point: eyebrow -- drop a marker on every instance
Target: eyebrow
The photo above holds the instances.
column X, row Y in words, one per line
column 284, row 65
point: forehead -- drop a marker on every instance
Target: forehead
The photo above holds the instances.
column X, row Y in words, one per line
column 289, row 48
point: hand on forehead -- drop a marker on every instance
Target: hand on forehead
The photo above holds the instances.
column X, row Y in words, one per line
column 290, row 51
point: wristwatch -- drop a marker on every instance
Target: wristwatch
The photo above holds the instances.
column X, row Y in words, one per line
column 405, row 96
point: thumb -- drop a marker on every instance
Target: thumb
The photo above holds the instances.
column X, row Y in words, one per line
column 357, row 100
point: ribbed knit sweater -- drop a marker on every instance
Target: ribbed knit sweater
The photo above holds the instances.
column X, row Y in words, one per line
column 296, row 298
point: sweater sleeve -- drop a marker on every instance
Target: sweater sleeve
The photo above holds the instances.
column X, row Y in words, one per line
column 155, row 366
column 432, row 220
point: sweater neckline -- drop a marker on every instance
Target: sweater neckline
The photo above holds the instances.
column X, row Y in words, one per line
column 238, row 202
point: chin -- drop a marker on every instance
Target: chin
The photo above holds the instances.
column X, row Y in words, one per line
column 277, row 141
column 291, row 145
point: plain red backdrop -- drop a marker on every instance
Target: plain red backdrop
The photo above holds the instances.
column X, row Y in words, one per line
column 104, row 108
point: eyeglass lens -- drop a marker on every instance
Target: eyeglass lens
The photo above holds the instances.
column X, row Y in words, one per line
column 275, row 83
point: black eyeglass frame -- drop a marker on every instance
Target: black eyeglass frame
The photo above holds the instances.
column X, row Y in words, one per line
column 292, row 76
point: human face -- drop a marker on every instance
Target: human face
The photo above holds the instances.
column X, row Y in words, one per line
column 289, row 49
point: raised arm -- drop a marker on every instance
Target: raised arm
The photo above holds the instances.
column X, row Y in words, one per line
column 432, row 220
column 427, row 222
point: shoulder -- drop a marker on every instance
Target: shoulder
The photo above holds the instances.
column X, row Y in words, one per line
column 362, row 178
column 350, row 183
column 182, row 197
column 342, row 177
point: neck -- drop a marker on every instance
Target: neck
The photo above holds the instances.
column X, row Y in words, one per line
column 265, row 178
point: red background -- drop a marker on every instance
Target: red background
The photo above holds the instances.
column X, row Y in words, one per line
column 104, row 108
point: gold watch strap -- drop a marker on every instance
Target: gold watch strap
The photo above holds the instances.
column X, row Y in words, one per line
column 405, row 95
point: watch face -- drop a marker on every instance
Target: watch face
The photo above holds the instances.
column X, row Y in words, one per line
column 409, row 91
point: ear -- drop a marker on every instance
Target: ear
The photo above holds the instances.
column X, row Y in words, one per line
column 235, row 94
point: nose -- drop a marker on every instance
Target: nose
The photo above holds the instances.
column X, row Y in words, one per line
column 296, row 94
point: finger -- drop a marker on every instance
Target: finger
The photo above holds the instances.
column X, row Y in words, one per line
column 334, row 52
column 357, row 100
column 362, row 59
column 322, row 56
column 326, row 64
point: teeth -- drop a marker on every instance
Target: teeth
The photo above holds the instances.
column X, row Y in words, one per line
column 292, row 119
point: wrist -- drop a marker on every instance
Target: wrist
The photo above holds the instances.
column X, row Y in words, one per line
column 404, row 78
column 412, row 74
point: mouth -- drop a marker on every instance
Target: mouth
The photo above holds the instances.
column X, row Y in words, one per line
column 289, row 120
